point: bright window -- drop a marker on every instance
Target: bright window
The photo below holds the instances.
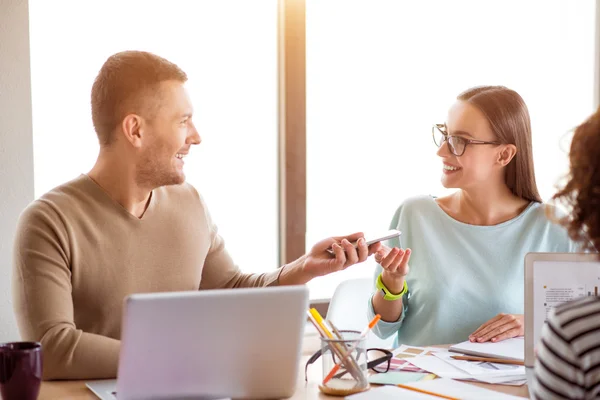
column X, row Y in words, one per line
column 228, row 49
column 380, row 73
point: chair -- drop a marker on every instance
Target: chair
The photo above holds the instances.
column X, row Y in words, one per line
column 348, row 310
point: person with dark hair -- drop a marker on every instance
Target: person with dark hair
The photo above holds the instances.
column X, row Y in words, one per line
column 567, row 365
column 131, row 225
column 466, row 272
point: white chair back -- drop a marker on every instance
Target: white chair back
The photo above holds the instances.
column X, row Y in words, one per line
column 348, row 309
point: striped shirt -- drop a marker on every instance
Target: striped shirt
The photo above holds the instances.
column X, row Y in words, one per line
column 568, row 354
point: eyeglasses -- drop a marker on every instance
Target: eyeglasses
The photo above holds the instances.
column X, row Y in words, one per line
column 456, row 144
column 377, row 359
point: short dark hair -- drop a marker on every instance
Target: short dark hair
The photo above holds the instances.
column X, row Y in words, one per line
column 127, row 83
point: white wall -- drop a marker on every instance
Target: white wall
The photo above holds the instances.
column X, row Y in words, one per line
column 16, row 146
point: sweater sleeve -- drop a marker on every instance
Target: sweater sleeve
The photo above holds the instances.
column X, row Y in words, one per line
column 43, row 303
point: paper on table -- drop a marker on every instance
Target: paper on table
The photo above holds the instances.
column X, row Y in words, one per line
column 405, row 351
column 519, row 382
column 398, row 364
column 396, row 377
column 461, row 390
column 513, row 349
column 476, row 368
column 501, row 380
column 441, row 368
column 403, row 354
column 392, row 393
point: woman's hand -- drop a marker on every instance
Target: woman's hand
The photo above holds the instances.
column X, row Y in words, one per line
column 395, row 266
column 502, row 326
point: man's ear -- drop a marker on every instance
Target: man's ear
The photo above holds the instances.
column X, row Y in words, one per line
column 132, row 128
column 506, row 154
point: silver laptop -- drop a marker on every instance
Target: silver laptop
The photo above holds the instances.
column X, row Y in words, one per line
column 235, row 343
column 550, row 280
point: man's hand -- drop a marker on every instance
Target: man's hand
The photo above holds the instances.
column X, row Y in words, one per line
column 319, row 262
column 502, row 326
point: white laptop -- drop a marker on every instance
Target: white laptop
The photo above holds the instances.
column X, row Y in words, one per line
column 550, row 280
column 234, row 343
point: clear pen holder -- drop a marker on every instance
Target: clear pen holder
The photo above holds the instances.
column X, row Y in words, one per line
column 350, row 354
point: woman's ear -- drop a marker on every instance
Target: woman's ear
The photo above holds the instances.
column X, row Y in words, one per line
column 506, row 154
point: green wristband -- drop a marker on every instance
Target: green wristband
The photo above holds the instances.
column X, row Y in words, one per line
column 387, row 295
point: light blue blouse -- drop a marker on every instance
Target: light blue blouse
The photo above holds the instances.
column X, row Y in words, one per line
column 462, row 275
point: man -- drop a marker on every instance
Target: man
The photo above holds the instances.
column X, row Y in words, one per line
column 130, row 225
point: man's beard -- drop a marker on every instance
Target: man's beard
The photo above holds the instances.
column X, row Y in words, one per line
column 152, row 173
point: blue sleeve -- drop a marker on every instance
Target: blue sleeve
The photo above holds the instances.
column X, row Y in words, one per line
column 385, row 329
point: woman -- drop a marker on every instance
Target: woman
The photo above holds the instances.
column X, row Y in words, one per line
column 466, row 274
column 568, row 354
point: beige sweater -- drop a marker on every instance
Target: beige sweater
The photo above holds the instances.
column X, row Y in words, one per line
column 78, row 253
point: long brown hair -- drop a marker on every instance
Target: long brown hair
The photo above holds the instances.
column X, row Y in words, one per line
column 581, row 193
column 508, row 116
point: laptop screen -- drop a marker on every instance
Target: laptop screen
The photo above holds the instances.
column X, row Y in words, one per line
column 557, row 282
column 553, row 279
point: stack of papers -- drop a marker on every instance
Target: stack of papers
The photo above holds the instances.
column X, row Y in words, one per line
column 512, row 349
column 444, row 366
column 441, row 363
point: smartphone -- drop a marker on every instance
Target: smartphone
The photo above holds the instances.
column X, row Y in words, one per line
column 374, row 239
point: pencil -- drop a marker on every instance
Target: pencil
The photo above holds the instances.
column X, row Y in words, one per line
column 336, row 367
column 443, row 396
column 334, row 329
column 316, row 325
column 491, row 360
column 336, row 348
column 352, row 360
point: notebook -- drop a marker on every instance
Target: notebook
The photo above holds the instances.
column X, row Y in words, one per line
column 511, row 349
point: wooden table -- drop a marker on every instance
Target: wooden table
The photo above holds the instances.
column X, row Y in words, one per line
column 76, row 390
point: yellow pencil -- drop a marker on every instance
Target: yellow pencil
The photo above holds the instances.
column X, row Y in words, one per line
column 319, row 320
column 316, row 325
column 338, row 348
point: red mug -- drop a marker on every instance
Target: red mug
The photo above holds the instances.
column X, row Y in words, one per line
column 20, row 370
